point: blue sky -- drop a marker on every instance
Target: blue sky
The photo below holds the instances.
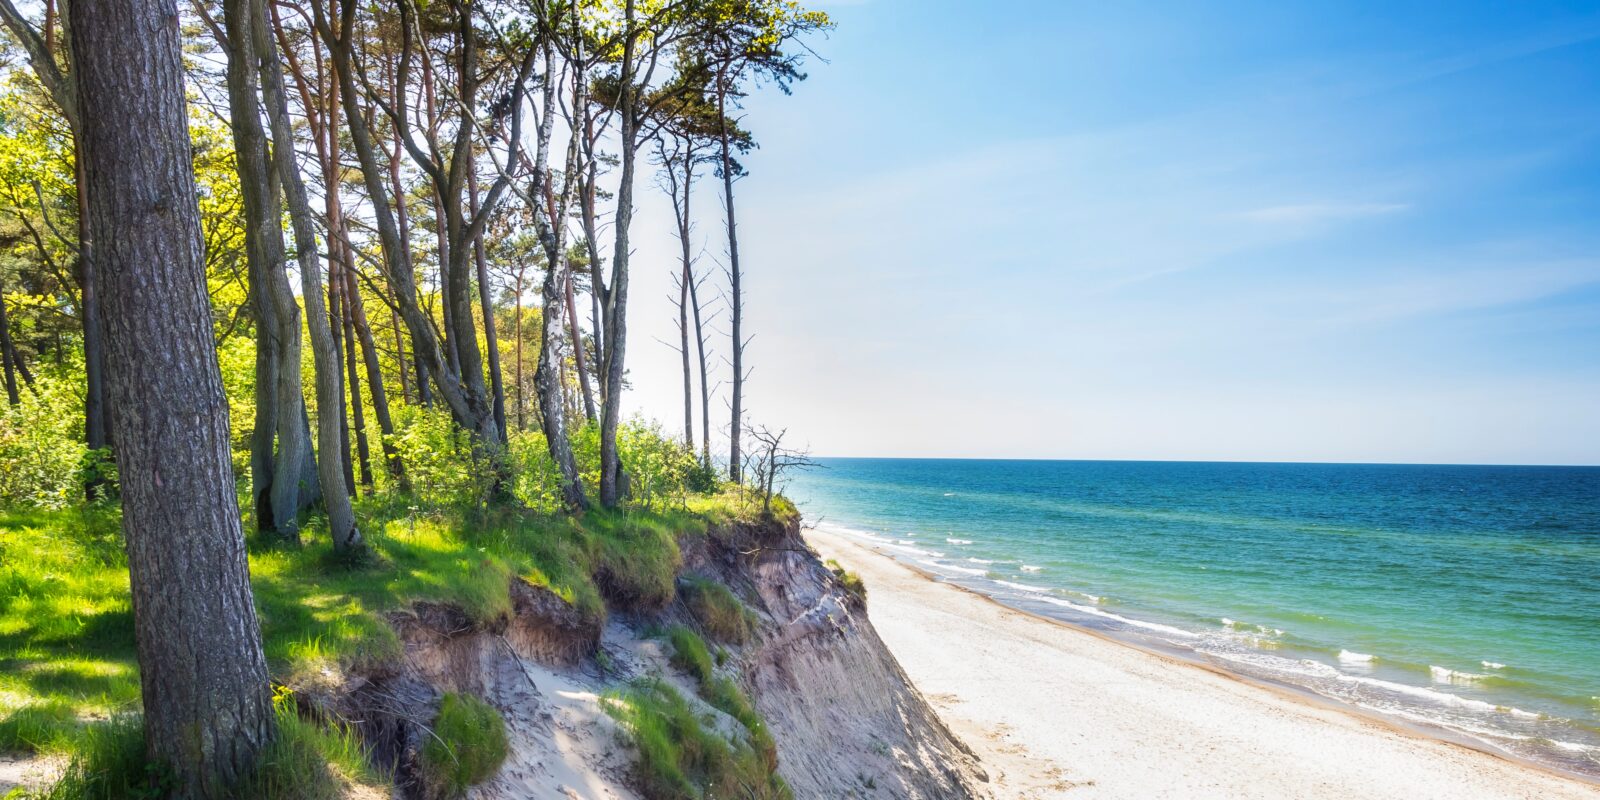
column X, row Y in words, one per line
column 1277, row 231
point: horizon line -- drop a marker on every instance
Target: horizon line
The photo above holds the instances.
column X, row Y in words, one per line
column 1212, row 461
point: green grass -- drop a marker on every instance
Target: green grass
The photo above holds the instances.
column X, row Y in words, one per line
column 307, row 761
column 717, row 610
column 468, row 744
column 681, row 758
column 689, row 654
column 67, row 655
column 851, row 582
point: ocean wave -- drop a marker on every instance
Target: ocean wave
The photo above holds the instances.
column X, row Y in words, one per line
column 959, row 541
column 1492, row 665
column 1447, row 675
column 981, row 560
column 954, row 568
column 1023, row 587
column 1352, row 657
column 1091, row 610
column 905, row 541
column 1031, row 568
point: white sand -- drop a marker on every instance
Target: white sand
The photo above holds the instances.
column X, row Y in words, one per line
column 1055, row 711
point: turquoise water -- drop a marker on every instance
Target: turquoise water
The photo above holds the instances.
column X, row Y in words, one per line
column 1464, row 599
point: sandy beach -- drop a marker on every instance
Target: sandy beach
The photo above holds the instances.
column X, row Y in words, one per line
column 1054, row 711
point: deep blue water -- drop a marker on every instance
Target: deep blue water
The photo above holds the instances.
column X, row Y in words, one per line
column 1461, row 598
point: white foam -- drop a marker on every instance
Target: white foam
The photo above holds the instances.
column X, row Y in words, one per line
column 959, row 541
column 1442, row 698
column 1447, row 675
column 905, row 541
column 954, row 568
column 981, row 560
column 1154, row 626
column 1352, row 657
column 1031, row 568
column 1493, row 665
column 1229, row 622
column 949, row 494
column 1022, row 587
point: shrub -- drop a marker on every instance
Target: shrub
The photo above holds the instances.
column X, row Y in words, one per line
column 467, row 746
column 41, row 442
column 717, row 610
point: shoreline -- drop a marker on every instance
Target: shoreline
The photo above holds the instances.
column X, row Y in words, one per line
column 1055, row 709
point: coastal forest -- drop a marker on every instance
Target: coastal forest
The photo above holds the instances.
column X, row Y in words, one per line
column 316, row 345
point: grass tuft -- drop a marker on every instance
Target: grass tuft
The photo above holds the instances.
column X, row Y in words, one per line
column 851, row 582
column 468, row 744
column 717, row 610
column 682, row 759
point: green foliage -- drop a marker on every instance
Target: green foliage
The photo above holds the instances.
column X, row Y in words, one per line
column 680, row 757
column 41, row 442
column 717, row 610
column 468, row 744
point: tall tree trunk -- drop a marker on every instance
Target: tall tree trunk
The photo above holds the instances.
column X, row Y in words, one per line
column 576, row 334
column 277, row 494
column 8, row 352
column 680, row 207
column 403, row 220
column 397, row 263
column 362, row 330
column 735, row 298
column 491, row 336
column 705, row 377
column 357, row 413
column 97, row 412
column 341, row 517
column 522, row 423
column 547, row 379
column 611, row 480
column 207, row 702
column 334, row 304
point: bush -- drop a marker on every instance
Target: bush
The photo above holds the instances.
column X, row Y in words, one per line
column 717, row 610
column 468, row 744
column 41, row 442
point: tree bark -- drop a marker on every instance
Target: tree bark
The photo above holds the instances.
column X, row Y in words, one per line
column 580, row 362
column 705, row 378
column 341, row 517
column 8, row 351
column 207, row 703
column 491, row 336
column 611, row 488
column 736, row 298
column 680, row 207
column 277, row 496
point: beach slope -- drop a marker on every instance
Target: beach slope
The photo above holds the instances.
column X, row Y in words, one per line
column 1054, row 711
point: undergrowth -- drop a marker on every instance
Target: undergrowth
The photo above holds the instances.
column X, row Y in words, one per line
column 67, row 655
column 467, row 746
column 717, row 610
column 680, row 757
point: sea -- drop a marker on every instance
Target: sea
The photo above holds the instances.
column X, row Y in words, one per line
column 1460, row 600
